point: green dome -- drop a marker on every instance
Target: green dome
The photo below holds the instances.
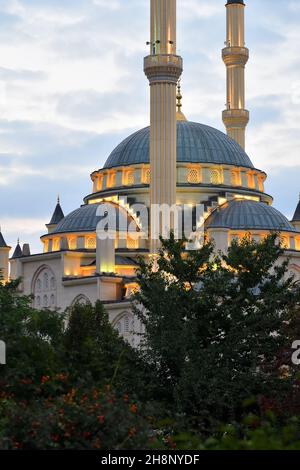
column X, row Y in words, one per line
column 196, row 143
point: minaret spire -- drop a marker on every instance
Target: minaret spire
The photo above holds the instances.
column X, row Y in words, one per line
column 163, row 69
column 235, row 56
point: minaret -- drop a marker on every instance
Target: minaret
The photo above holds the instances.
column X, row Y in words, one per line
column 4, row 255
column 236, row 55
column 163, row 69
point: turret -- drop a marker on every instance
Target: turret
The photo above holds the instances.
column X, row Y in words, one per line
column 163, row 69
column 15, row 263
column 4, row 256
column 235, row 56
column 57, row 216
column 18, row 251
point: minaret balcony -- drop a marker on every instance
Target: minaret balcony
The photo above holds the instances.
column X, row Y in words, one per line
column 163, row 68
column 235, row 55
column 238, row 118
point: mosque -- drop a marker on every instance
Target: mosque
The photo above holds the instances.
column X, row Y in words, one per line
column 173, row 162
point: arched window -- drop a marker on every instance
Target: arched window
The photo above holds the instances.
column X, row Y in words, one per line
column 80, row 299
column 56, row 245
column 147, row 176
column 46, row 281
column 91, row 243
column 72, row 243
column 193, row 176
column 126, row 325
column 130, row 178
column 44, row 288
column 235, row 178
column 52, row 283
column 132, row 244
column 251, row 180
column 215, row 177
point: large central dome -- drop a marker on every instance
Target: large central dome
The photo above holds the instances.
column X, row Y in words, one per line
column 196, row 143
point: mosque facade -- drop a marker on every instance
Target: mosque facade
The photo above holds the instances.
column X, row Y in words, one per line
column 173, row 162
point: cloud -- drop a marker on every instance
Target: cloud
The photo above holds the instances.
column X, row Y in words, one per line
column 72, row 87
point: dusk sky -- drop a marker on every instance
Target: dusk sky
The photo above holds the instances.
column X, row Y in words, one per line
column 72, row 87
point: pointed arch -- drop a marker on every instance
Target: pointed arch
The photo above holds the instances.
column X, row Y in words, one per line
column 81, row 299
column 44, row 288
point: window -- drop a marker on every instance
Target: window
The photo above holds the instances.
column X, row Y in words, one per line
column 99, row 183
column 72, row 243
column 132, row 244
column 46, row 281
column 52, row 283
column 261, row 184
column 235, row 178
column 251, row 180
column 126, row 325
column 91, row 243
column 285, row 242
column 147, row 176
column 130, row 178
column 111, row 180
column 215, row 177
column 44, row 288
column 56, row 244
column 193, row 176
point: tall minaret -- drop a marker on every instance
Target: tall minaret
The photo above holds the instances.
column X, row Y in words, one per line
column 163, row 69
column 235, row 56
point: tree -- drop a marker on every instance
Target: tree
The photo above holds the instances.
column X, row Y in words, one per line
column 73, row 386
column 32, row 338
column 215, row 324
column 96, row 352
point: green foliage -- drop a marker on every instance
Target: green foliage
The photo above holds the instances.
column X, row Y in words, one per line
column 255, row 433
column 70, row 381
column 32, row 338
column 214, row 325
column 217, row 331
column 72, row 418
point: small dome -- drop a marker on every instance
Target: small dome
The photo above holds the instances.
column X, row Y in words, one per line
column 196, row 143
column 241, row 214
column 85, row 219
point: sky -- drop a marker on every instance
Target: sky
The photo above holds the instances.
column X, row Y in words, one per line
column 72, row 87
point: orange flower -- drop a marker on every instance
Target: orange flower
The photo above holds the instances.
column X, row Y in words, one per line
column 126, row 398
column 133, row 408
column 132, row 432
column 97, row 444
